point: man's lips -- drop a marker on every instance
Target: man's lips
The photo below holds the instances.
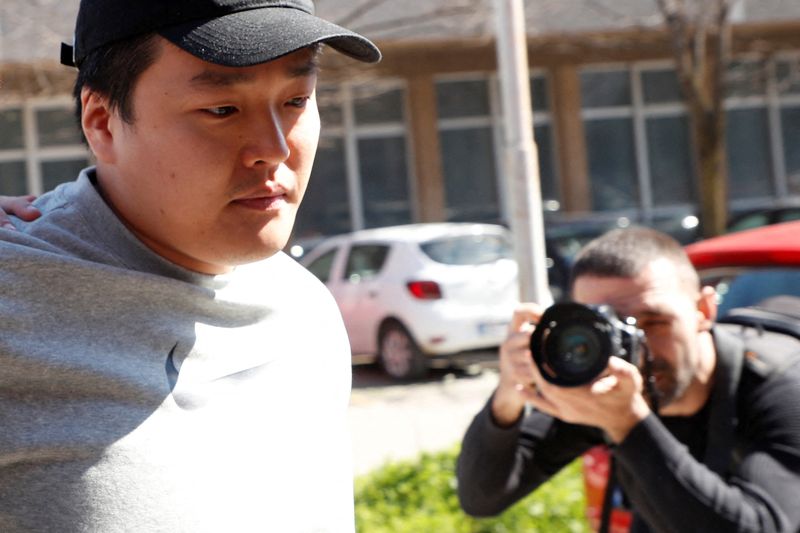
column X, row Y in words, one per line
column 263, row 203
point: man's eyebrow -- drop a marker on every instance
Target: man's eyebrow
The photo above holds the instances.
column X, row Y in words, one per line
column 306, row 68
column 214, row 78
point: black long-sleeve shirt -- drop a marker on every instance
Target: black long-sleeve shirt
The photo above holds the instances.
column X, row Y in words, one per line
column 734, row 466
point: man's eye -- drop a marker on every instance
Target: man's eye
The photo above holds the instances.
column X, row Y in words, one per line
column 299, row 102
column 222, row 111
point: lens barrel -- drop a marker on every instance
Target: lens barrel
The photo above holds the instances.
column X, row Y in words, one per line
column 572, row 342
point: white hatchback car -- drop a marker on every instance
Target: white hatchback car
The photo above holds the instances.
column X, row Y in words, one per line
column 413, row 294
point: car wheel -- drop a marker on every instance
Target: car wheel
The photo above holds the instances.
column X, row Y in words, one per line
column 400, row 356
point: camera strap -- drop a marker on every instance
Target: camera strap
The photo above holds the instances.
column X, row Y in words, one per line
column 608, row 497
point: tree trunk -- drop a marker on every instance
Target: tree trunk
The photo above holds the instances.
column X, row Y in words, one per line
column 708, row 130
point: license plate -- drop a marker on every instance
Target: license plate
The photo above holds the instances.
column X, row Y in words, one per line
column 492, row 329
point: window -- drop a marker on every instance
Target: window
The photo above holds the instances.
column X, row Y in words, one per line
column 325, row 209
column 612, row 164
column 788, row 89
column 467, row 142
column 365, row 261
column 468, row 249
column 606, row 100
column 40, row 146
column 382, row 154
column 470, row 127
column 321, row 266
column 750, row 172
column 748, row 146
column 671, row 174
column 361, row 173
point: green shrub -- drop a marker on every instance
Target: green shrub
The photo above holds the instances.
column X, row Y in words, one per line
column 420, row 497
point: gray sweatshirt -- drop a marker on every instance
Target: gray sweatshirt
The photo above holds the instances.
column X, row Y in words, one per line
column 138, row 396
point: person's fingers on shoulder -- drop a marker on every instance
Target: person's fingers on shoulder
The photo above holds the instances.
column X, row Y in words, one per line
column 525, row 315
column 19, row 206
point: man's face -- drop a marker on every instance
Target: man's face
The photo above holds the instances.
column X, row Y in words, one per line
column 667, row 310
column 212, row 170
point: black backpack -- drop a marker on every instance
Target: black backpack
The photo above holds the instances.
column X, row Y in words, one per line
column 780, row 314
column 770, row 329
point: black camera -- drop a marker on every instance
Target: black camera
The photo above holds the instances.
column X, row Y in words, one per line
column 572, row 342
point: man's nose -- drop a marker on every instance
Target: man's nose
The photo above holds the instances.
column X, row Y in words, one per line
column 265, row 141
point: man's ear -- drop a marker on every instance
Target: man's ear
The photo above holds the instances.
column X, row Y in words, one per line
column 707, row 308
column 96, row 118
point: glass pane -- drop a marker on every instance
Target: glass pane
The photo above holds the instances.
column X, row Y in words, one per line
column 754, row 220
column 321, row 266
column 750, row 288
column 384, row 181
column 746, row 79
column 749, row 169
column 57, row 127
column 790, row 123
column 547, row 171
column 468, row 249
column 670, row 161
column 365, row 261
column 379, row 106
column 469, row 175
column 539, row 94
column 11, row 129
column 325, row 209
column 12, row 178
column 605, row 88
column 660, row 86
column 329, row 103
column 462, row 98
column 612, row 166
column 56, row 172
column 788, row 75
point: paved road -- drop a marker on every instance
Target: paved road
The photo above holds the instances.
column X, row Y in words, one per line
column 394, row 422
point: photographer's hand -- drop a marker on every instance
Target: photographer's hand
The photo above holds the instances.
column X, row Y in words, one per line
column 613, row 402
column 19, row 206
column 517, row 372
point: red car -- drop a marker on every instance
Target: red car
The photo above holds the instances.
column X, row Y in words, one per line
column 746, row 268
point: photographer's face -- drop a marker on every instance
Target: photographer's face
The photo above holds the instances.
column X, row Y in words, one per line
column 211, row 171
column 676, row 320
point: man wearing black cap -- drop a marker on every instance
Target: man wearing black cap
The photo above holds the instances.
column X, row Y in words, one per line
column 163, row 366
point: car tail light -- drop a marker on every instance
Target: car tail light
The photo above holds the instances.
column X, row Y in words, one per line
column 424, row 290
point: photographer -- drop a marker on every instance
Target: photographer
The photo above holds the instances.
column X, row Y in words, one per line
column 715, row 447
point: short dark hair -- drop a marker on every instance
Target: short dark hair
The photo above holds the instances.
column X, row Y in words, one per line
column 113, row 71
column 625, row 253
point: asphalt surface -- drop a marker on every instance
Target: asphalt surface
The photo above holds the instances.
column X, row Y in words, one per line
column 391, row 422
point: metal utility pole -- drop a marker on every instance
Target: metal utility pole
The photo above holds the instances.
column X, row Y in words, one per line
column 522, row 162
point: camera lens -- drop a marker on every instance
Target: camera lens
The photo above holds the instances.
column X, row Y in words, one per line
column 571, row 344
column 578, row 349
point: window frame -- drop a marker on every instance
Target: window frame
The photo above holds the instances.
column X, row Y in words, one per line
column 32, row 154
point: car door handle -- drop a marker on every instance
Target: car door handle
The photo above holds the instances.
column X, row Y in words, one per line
column 372, row 293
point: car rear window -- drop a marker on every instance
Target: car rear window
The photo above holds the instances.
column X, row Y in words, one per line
column 750, row 288
column 468, row 249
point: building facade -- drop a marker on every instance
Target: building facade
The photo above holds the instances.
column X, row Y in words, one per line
column 419, row 138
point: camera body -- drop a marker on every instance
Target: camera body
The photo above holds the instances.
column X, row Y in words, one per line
column 572, row 342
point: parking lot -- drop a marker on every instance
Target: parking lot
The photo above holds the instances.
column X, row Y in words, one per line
column 392, row 421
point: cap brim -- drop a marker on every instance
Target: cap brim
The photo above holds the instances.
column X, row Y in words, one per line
column 255, row 36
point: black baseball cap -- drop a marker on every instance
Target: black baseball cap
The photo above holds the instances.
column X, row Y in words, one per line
column 234, row 33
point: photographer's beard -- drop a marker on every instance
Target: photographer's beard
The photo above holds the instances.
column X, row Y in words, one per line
column 671, row 381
